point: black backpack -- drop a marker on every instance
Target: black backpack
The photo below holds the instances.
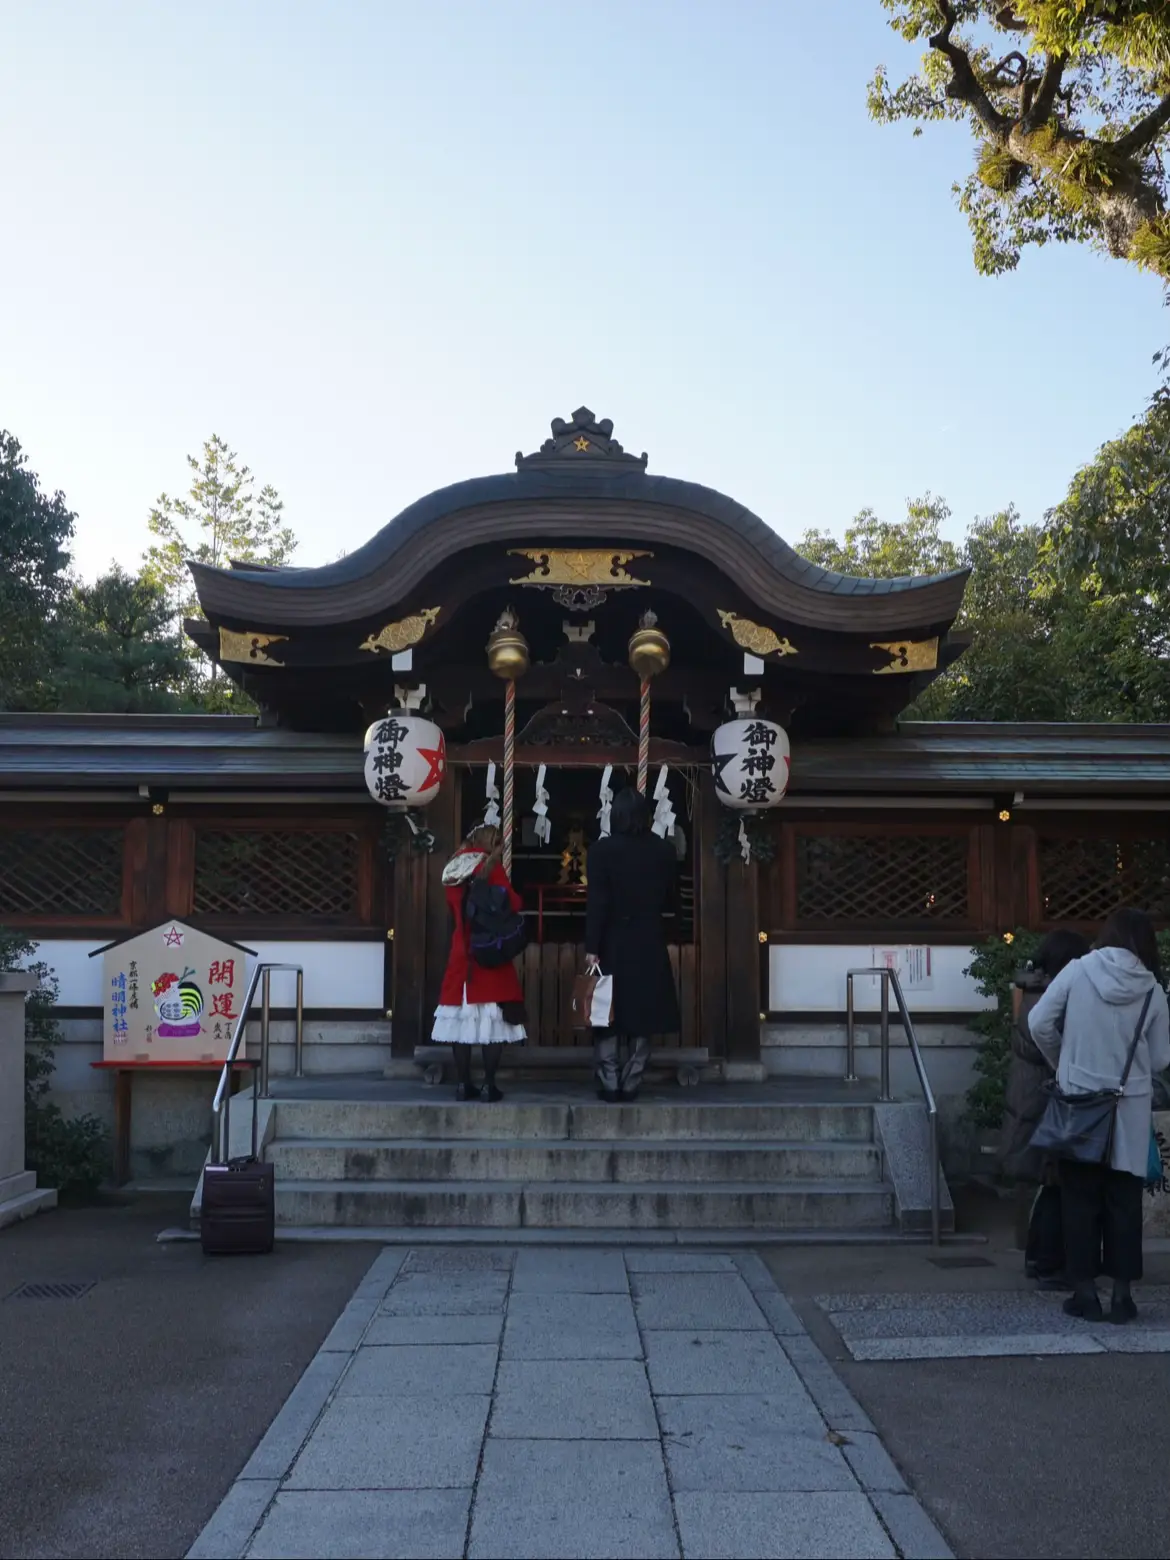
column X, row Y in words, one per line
column 496, row 933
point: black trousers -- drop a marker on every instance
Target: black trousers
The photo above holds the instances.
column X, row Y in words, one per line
column 1044, row 1253
column 1102, row 1222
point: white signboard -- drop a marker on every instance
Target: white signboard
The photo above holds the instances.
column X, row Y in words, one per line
column 912, row 966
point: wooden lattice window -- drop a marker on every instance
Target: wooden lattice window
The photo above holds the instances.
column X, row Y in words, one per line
column 881, row 879
column 1083, row 880
column 271, row 874
column 62, row 873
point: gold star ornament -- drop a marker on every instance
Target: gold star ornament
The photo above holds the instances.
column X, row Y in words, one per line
column 581, row 443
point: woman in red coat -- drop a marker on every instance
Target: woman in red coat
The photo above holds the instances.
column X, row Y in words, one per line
column 477, row 1006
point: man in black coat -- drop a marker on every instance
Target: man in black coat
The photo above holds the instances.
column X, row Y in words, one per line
column 632, row 883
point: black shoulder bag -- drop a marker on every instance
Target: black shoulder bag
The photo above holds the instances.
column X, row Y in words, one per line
column 1081, row 1126
column 496, row 933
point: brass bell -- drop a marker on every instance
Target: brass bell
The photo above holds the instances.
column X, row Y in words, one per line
column 649, row 648
column 507, row 648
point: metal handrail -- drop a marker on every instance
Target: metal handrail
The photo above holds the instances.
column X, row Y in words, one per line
column 890, row 977
column 221, row 1105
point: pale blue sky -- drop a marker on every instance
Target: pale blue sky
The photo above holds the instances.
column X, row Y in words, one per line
column 378, row 245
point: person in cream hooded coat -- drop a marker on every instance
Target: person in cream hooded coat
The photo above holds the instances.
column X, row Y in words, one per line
column 1084, row 1024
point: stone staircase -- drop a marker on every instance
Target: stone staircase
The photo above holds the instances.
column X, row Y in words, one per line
column 581, row 1166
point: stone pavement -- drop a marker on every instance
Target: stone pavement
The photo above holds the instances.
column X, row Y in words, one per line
column 569, row 1402
column 909, row 1326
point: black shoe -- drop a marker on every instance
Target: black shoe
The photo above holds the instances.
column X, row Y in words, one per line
column 1122, row 1311
column 466, row 1091
column 1054, row 1284
column 491, row 1094
column 610, row 1096
column 1089, row 1310
column 628, row 1096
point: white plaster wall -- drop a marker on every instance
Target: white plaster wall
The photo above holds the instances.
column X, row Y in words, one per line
column 337, row 974
column 812, row 979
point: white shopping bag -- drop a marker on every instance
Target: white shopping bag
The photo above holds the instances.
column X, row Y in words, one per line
column 601, row 1008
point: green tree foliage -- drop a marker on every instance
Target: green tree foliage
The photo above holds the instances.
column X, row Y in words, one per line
column 70, row 1153
column 883, row 549
column 1068, row 102
column 1113, row 528
column 119, row 651
column 1049, row 640
column 222, row 520
column 35, row 531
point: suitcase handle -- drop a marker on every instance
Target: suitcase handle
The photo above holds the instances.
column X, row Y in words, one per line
column 227, row 1114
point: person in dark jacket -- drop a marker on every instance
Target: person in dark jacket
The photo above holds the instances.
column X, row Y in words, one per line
column 632, row 883
column 1036, row 1172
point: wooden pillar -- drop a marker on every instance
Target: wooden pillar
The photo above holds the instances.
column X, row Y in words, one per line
column 711, row 922
column 146, row 847
column 444, row 818
column 743, row 962
column 410, row 903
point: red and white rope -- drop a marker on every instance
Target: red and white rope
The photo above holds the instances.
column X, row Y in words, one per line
column 644, row 738
column 509, row 768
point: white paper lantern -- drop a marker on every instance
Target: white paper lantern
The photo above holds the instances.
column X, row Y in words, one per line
column 749, row 759
column 406, row 759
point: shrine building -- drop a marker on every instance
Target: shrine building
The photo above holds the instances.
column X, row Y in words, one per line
column 896, row 841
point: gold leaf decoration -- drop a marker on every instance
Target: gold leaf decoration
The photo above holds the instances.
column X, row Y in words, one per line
column 396, row 637
column 577, row 566
column 909, row 655
column 755, row 637
column 248, row 646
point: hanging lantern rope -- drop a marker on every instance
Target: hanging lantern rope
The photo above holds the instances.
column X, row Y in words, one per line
column 509, row 769
column 649, row 655
column 508, row 658
column 644, row 738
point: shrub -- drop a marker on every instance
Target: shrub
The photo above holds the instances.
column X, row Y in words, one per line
column 68, row 1152
column 993, row 967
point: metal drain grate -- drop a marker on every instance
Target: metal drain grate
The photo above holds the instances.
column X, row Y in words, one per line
column 69, row 1291
column 961, row 1262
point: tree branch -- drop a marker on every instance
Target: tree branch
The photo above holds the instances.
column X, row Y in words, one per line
column 1014, row 58
column 1009, row 21
column 1145, row 131
column 1042, row 104
column 964, row 85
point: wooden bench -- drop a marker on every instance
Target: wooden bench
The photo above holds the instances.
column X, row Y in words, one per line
column 687, row 1062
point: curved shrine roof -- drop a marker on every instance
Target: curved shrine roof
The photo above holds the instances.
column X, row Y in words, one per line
column 581, row 488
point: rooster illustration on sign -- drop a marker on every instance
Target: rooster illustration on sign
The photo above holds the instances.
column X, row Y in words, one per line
column 178, row 1001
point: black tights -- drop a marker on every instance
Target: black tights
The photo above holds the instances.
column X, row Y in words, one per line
column 491, row 1061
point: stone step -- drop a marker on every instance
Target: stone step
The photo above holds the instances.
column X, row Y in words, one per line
column 819, row 1205
column 708, row 1161
column 447, row 1119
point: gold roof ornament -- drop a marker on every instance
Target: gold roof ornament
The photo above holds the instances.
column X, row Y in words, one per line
column 396, row 637
column 577, row 566
column 909, row 655
column 249, row 646
column 755, row 637
column 507, row 648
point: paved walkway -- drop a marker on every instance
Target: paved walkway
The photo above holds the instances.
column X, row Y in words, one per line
column 568, row 1402
column 990, row 1324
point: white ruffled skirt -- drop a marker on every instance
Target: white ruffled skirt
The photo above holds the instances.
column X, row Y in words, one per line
column 475, row 1023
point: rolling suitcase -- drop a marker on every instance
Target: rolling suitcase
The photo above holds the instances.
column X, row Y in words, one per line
column 239, row 1200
